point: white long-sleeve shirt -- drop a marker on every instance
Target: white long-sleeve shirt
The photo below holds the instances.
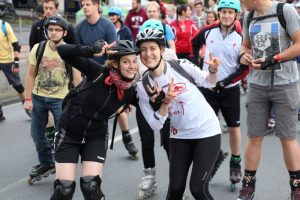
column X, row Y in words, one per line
column 190, row 114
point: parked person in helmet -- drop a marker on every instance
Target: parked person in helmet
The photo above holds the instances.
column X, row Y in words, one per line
column 227, row 41
column 85, row 133
column 45, row 88
column 38, row 31
column 145, row 131
column 194, row 128
column 9, row 55
column 123, row 33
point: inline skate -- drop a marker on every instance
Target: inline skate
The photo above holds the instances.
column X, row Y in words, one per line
column 130, row 147
column 40, row 171
column 148, row 185
column 235, row 172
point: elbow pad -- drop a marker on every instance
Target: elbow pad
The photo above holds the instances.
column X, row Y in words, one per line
column 16, row 46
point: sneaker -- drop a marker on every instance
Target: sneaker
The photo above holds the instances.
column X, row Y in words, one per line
column 248, row 190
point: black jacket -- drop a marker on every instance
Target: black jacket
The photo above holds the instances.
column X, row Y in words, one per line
column 97, row 103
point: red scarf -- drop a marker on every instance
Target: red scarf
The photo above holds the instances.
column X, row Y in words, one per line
column 114, row 78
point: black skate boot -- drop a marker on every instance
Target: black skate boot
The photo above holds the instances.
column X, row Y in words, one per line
column 221, row 157
column 50, row 134
column 248, row 190
column 40, row 171
column 235, row 172
column 2, row 118
column 127, row 140
column 295, row 189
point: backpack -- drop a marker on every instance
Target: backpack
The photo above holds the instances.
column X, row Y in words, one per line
column 175, row 65
column 279, row 14
column 164, row 26
column 39, row 55
column 3, row 26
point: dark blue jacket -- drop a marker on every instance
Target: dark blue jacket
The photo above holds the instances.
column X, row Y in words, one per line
column 124, row 33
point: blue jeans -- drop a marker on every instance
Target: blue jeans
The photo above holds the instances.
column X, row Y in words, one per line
column 39, row 118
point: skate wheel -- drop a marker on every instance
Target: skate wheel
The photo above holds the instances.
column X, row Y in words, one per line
column 141, row 195
column 30, row 182
column 232, row 187
column 134, row 157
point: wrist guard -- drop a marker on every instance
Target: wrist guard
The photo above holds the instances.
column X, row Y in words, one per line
column 16, row 62
column 269, row 61
column 97, row 46
column 158, row 101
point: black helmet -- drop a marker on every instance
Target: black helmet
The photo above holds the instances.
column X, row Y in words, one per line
column 57, row 20
column 151, row 34
column 3, row 8
column 124, row 47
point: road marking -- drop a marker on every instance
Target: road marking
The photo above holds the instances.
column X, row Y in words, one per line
column 22, row 180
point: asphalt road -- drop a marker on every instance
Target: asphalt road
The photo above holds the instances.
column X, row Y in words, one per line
column 121, row 174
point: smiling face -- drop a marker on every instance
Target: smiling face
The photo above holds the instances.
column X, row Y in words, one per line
column 227, row 16
column 128, row 66
column 150, row 54
column 210, row 18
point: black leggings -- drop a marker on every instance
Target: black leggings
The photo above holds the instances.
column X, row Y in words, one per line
column 147, row 139
column 203, row 153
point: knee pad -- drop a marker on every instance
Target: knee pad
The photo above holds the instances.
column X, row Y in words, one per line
column 90, row 187
column 19, row 88
column 63, row 190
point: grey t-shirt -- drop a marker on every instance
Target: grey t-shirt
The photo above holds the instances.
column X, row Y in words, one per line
column 268, row 37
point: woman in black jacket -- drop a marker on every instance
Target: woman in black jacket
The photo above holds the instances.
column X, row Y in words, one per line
column 83, row 128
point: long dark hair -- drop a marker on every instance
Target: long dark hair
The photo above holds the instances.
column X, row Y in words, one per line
column 179, row 11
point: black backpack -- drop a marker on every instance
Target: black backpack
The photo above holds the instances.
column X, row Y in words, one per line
column 279, row 14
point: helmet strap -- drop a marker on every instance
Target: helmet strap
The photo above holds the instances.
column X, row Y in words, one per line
column 154, row 68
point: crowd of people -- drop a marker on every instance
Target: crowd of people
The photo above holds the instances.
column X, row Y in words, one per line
column 179, row 66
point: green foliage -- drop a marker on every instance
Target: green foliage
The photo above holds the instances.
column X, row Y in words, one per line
column 180, row 1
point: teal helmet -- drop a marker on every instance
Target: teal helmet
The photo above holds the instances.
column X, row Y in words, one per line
column 233, row 4
column 115, row 10
column 152, row 23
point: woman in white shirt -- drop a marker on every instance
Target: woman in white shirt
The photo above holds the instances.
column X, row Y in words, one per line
column 195, row 131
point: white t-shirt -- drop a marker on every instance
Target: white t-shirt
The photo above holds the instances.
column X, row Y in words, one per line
column 190, row 114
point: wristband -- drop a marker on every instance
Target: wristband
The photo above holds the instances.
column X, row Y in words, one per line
column 240, row 56
column 212, row 72
column 165, row 101
column 277, row 57
column 27, row 99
